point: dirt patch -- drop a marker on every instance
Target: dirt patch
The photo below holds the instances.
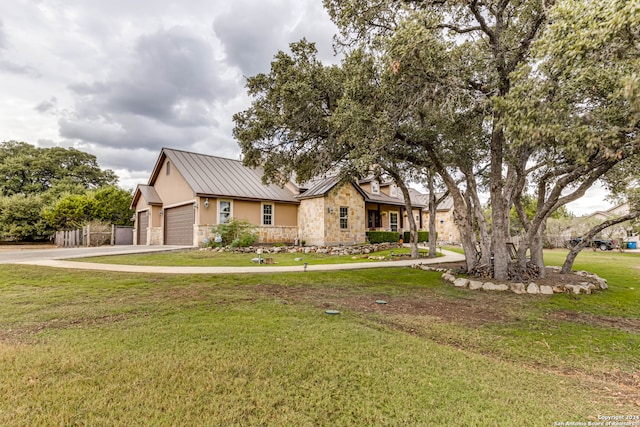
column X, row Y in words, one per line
column 465, row 311
column 20, row 335
column 624, row 324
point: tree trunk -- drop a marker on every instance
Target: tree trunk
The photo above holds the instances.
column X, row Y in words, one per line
column 571, row 256
column 499, row 204
column 432, row 217
column 573, row 252
column 474, row 200
column 413, row 230
column 536, row 247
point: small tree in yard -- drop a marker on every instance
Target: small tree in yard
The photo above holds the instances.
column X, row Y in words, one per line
column 235, row 233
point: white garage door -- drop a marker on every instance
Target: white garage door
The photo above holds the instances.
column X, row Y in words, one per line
column 142, row 225
column 178, row 225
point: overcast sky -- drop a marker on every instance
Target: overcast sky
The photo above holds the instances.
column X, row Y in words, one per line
column 121, row 79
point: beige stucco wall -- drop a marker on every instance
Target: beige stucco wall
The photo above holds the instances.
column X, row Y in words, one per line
column 207, row 215
column 284, row 230
column 172, row 188
column 286, row 214
column 348, row 196
column 247, row 211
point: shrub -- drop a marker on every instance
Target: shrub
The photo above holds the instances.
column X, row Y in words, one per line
column 237, row 233
column 423, row 236
column 244, row 240
column 383, row 236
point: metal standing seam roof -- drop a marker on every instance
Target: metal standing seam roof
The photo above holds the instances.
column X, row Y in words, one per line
column 150, row 194
column 217, row 176
column 319, row 187
column 423, row 199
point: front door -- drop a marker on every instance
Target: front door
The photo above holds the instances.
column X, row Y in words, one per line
column 393, row 221
column 373, row 219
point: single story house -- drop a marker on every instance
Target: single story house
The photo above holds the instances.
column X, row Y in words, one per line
column 189, row 193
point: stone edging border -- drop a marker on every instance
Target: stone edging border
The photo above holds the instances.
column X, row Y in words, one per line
column 592, row 282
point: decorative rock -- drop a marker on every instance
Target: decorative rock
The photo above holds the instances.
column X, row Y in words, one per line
column 475, row 285
column 546, row 290
column 602, row 283
column 448, row 277
column 574, row 288
column 489, row 286
column 297, row 259
column 518, row 288
column 461, row 282
column 533, row 289
column 588, row 287
column 559, row 289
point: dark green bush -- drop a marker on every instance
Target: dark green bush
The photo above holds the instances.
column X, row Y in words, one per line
column 423, row 236
column 383, row 236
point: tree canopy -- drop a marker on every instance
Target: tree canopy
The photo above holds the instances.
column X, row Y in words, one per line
column 496, row 96
column 26, row 169
column 46, row 189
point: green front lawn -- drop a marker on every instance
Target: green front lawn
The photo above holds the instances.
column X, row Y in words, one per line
column 193, row 258
column 131, row 349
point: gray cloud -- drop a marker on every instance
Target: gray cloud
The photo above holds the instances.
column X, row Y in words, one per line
column 165, row 95
column 3, row 36
column 170, row 72
column 11, row 66
column 48, row 105
column 251, row 32
column 121, row 79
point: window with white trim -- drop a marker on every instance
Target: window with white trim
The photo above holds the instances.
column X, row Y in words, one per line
column 393, row 190
column 224, row 211
column 168, row 170
column 344, row 217
column 393, row 221
column 267, row 214
column 375, row 187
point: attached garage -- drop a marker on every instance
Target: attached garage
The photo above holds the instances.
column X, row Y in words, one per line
column 178, row 225
column 142, row 225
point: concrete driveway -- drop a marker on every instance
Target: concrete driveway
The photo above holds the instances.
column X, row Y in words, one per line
column 59, row 258
column 25, row 256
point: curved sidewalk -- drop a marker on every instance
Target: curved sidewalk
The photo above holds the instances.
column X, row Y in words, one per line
column 448, row 256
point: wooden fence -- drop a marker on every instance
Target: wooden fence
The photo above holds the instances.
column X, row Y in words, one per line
column 94, row 235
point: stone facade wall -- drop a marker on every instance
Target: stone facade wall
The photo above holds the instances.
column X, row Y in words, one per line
column 155, row 236
column 346, row 196
column 277, row 234
column 445, row 226
column 266, row 234
column 311, row 221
